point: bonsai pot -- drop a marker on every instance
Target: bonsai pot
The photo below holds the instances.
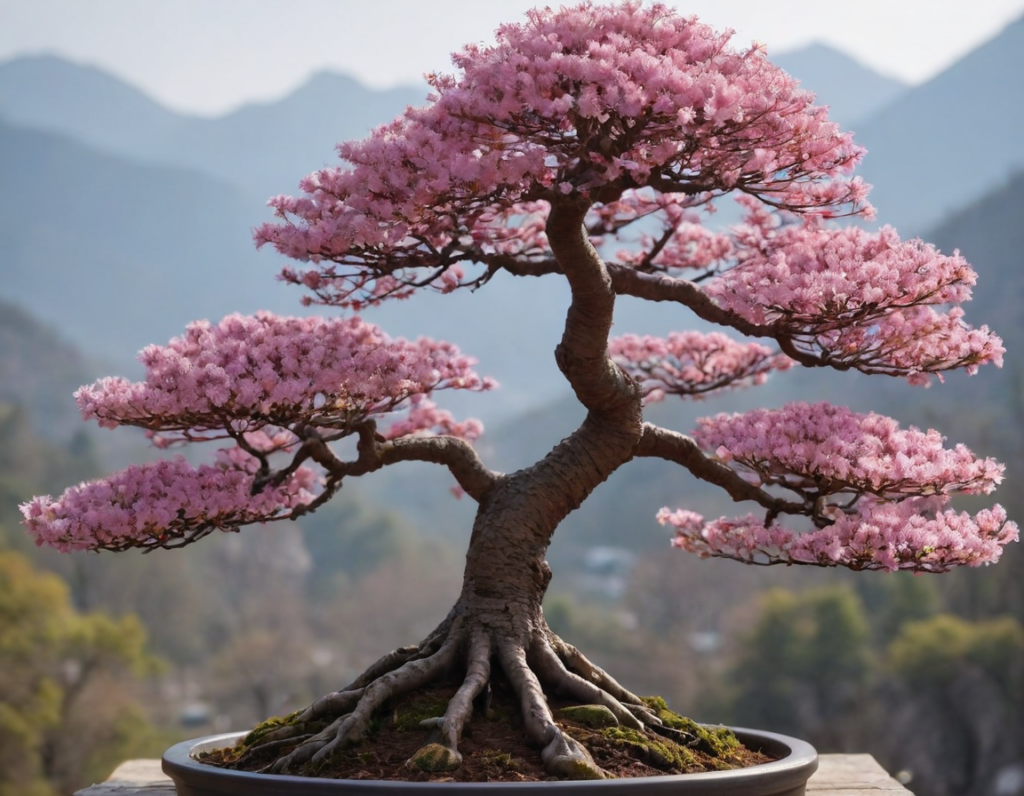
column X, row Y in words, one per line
column 786, row 776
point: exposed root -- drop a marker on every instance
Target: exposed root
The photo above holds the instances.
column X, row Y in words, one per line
column 551, row 670
column 562, row 755
column 385, row 665
column 352, row 727
column 577, row 662
column 308, row 739
column 271, row 746
column 332, row 705
column 478, row 675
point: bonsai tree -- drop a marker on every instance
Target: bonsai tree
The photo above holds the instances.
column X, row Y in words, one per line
column 583, row 145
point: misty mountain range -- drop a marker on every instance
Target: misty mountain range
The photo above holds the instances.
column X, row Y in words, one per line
column 122, row 220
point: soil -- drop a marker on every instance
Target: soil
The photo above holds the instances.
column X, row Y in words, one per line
column 494, row 747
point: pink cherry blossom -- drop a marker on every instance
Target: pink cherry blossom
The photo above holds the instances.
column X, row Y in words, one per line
column 162, row 504
column 249, row 372
column 853, row 298
column 830, row 450
column 591, row 101
column 693, row 364
column 426, row 418
column 911, row 535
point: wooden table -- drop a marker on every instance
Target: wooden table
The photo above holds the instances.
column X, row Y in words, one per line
column 837, row 775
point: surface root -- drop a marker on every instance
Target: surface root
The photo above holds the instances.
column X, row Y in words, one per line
column 352, row 727
column 309, row 738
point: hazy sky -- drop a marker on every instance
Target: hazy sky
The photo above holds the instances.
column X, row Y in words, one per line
column 209, row 56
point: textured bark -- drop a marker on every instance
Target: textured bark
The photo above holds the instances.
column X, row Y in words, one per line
column 506, row 574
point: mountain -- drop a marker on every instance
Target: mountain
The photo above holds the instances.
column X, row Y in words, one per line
column 39, row 371
column 267, row 148
column 115, row 255
column 990, row 235
column 852, row 91
column 951, row 140
column 262, row 149
column 85, row 103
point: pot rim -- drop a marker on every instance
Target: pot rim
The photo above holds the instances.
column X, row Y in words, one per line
column 797, row 763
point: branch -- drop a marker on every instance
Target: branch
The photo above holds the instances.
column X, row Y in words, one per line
column 521, row 267
column 457, row 455
column 672, row 446
column 627, row 281
column 374, row 453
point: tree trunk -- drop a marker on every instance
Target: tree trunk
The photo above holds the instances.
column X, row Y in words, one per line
column 506, row 575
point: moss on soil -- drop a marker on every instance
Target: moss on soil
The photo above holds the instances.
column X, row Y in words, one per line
column 406, row 716
column 494, row 749
column 597, row 716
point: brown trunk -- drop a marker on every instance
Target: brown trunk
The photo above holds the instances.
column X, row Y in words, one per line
column 506, row 575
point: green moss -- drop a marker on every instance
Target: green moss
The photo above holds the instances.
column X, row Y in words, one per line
column 582, row 769
column 661, row 753
column 268, row 726
column 715, row 741
column 435, row 757
column 500, row 760
column 409, row 715
column 597, row 716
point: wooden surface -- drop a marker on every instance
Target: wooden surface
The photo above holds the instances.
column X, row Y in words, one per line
column 837, row 775
column 851, row 775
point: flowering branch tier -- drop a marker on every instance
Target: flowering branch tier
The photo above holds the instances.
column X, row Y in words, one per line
column 249, row 372
column 280, row 388
column 588, row 144
column 875, row 492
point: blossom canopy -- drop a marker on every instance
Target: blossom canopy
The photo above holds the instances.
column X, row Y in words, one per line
column 588, row 101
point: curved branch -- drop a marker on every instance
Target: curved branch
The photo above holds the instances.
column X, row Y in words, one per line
column 627, row 281
column 457, row 455
column 662, row 443
column 374, row 452
column 522, row 267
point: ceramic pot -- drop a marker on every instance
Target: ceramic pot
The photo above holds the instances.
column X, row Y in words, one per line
column 786, row 776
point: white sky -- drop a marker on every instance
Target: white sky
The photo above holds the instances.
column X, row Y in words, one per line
column 209, row 56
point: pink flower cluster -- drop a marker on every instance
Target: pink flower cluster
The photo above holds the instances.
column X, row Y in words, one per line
column 823, row 450
column 162, row 503
column 426, row 418
column 911, row 535
column 249, row 372
column 589, row 100
column 855, row 298
column 693, row 364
